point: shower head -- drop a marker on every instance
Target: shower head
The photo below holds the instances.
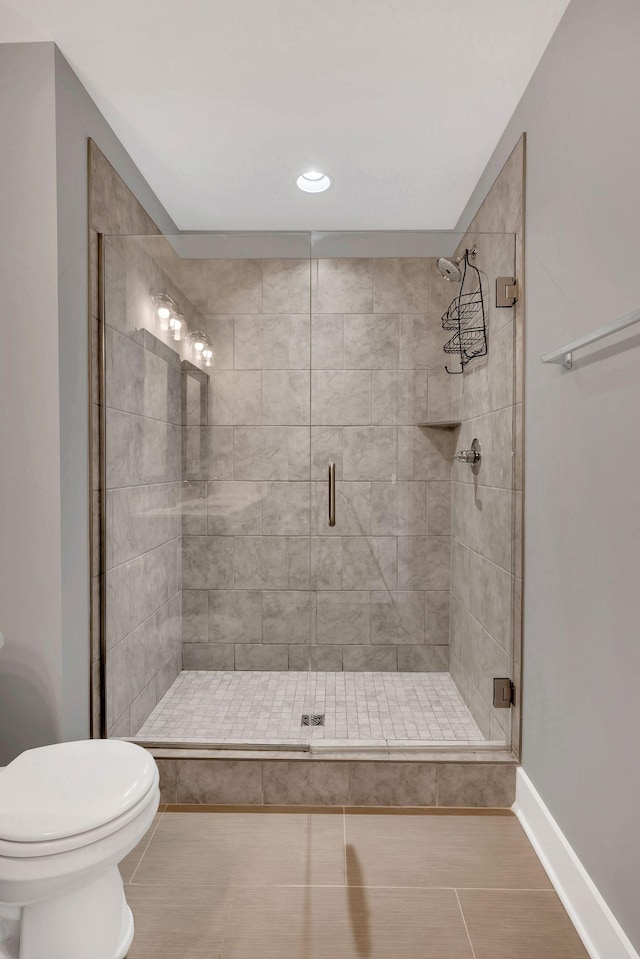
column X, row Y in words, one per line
column 449, row 269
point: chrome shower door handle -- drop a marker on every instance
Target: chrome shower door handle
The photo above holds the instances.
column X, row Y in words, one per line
column 332, row 494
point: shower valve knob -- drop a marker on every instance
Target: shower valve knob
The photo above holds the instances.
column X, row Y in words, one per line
column 469, row 456
column 472, row 456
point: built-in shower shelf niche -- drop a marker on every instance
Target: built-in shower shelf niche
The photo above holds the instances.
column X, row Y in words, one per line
column 441, row 424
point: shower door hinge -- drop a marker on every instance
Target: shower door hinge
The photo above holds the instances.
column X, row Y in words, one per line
column 504, row 693
column 507, row 291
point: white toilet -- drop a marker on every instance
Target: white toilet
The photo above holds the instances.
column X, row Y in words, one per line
column 68, row 815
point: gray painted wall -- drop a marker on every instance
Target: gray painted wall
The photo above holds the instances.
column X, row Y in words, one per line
column 582, row 520
column 47, row 117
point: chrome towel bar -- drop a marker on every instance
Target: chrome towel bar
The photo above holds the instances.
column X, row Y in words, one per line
column 565, row 355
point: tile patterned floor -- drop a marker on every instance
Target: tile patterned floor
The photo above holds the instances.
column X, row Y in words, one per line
column 367, row 709
column 283, row 883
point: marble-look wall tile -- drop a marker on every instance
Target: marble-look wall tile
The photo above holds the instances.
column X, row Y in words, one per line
column 288, row 616
column 195, row 616
column 271, row 453
column 440, row 402
column 295, row 783
column 439, row 508
column 271, row 562
column 235, row 616
column 285, row 398
column 207, row 656
column 249, row 656
column 485, row 589
column 437, row 617
column 327, row 341
column 421, row 342
column 207, row 562
column 325, row 658
column 234, row 508
column 340, row 397
column 277, row 342
column 225, row 782
column 140, row 518
column 326, row 562
column 425, row 454
column 195, row 398
column 370, row 562
column 137, row 588
column 286, row 286
column 220, row 330
column 495, row 432
column 207, row 453
column 401, row 285
column 371, row 341
column 392, row 784
column 398, row 618
column 423, row 659
column 424, row 562
column 370, row 453
column 399, row 397
column 234, row 286
column 342, row 286
column 235, row 398
column 343, row 616
column 476, row 784
column 353, row 509
column 194, row 509
column 399, row 509
column 482, row 519
column 326, row 447
column 286, row 509
column 370, row 658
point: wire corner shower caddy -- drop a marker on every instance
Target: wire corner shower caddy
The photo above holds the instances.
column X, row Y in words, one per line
column 466, row 316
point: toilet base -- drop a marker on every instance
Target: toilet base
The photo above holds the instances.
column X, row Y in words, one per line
column 88, row 920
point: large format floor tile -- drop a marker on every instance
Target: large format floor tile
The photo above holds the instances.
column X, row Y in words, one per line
column 316, row 923
column 246, row 849
column 460, row 851
column 179, row 920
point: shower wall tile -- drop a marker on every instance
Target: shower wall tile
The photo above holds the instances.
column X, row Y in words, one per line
column 326, row 447
column 370, row 453
column 235, row 398
column 370, row 658
column 235, row 616
column 482, row 519
column 234, row 509
column 369, row 562
column 421, row 342
column 195, row 615
column 371, row 342
column 286, row 286
column 398, row 618
column 495, row 431
column 424, row 454
column 343, row 615
column 400, row 397
column 327, row 341
column 140, row 518
column 439, row 508
column 401, row 285
column 194, row 509
column 271, row 453
column 424, row 562
column 399, row 509
column 207, row 562
column 353, row 508
column 343, row 286
column 234, row 286
column 207, row 453
column 440, row 402
column 484, row 589
column 285, row 398
column 286, row 509
column 288, row 616
column 340, row 398
column 207, row 656
column 261, row 562
column 249, row 656
column 326, row 562
column 220, row 330
column 437, row 617
column 279, row 342
column 423, row 659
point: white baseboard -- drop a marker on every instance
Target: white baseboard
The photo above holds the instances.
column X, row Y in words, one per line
column 600, row 931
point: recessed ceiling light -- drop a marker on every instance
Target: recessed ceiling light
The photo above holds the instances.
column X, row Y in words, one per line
column 314, row 182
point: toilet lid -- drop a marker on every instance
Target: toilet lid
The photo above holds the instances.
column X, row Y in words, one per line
column 64, row 790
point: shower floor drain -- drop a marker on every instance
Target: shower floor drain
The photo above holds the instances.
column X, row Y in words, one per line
column 312, row 719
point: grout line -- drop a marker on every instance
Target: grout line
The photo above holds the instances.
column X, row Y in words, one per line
column 473, row 952
column 344, row 834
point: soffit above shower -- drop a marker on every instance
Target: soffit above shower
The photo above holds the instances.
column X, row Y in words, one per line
column 223, row 104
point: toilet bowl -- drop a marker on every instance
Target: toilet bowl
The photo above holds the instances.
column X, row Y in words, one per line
column 69, row 814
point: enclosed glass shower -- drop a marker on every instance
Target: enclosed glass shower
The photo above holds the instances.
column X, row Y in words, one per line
column 309, row 525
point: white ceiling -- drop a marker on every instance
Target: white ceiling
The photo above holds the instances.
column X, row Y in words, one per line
column 222, row 103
